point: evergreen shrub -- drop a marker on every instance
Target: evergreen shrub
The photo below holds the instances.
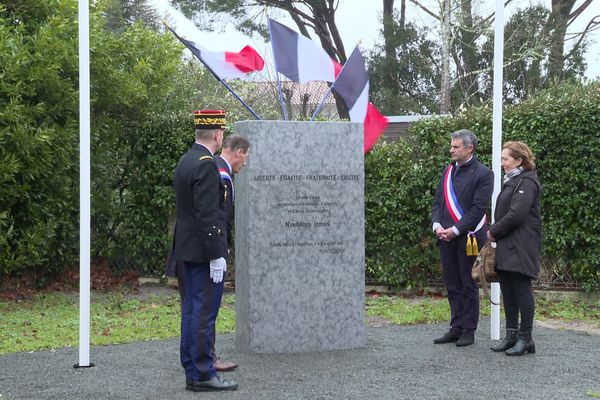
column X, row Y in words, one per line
column 562, row 127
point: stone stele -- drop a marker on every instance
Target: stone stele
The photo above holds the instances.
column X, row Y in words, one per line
column 299, row 238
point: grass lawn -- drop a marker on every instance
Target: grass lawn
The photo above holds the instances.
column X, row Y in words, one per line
column 51, row 320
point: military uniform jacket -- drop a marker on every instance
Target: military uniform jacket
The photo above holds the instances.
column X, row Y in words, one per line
column 229, row 191
column 518, row 226
column 200, row 196
column 473, row 184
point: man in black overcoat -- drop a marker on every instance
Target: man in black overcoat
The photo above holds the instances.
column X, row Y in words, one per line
column 198, row 250
column 458, row 217
column 232, row 159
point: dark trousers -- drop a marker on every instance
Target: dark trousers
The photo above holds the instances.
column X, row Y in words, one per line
column 181, row 287
column 463, row 292
column 199, row 310
column 517, row 295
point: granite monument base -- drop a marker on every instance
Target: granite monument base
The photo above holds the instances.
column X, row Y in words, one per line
column 299, row 238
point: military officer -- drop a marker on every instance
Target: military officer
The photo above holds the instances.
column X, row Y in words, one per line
column 199, row 251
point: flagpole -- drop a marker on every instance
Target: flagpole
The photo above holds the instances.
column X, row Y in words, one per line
column 497, row 148
column 322, row 102
column 276, row 68
column 232, row 92
column 326, row 96
column 84, row 186
column 214, row 74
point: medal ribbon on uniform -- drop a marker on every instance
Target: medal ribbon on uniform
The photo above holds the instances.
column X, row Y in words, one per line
column 226, row 177
column 456, row 211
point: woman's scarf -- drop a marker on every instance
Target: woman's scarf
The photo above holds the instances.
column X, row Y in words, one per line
column 512, row 173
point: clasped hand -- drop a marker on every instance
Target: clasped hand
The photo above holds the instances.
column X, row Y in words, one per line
column 445, row 234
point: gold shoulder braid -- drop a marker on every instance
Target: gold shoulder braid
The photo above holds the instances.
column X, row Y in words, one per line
column 206, row 158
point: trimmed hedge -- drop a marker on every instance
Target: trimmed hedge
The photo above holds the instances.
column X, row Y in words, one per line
column 562, row 127
column 137, row 138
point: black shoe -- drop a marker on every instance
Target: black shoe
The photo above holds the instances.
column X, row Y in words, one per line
column 509, row 341
column 523, row 345
column 449, row 337
column 213, row 385
column 467, row 338
column 188, row 384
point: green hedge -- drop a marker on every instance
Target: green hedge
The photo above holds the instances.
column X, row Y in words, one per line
column 138, row 81
column 142, row 238
column 134, row 75
column 561, row 126
column 38, row 135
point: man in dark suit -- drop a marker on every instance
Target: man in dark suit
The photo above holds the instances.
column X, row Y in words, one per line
column 232, row 159
column 458, row 217
column 199, row 251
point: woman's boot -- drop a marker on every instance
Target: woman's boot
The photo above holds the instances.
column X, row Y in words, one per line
column 524, row 345
column 509, row 341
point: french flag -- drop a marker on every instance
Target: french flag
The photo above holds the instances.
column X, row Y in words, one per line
column 301, row 60
column 298, row 58
column 225, row 64
column 352, row 84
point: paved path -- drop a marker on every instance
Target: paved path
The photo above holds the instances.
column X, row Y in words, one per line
column 399, row 362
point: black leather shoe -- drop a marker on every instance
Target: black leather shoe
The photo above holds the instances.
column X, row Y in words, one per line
column 213, row 385
column 521, row 347
column 449, row 337
column 188, row 384
column 509, row 341
column 466, row 339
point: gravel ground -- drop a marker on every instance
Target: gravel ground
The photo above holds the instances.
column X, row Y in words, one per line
column 399, row 362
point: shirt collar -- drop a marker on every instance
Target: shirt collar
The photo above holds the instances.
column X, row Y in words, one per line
column 228, row 165
column 465, row 163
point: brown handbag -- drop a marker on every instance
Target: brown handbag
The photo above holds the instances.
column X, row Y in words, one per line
column 484, row 267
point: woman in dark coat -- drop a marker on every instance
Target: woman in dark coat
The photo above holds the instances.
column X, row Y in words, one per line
column 517, row 232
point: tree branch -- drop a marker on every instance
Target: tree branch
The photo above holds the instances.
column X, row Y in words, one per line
column 593, row 23
column 422, row 7
column 578, row 12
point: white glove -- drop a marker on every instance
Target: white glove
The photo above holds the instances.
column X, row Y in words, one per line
column 217, row 269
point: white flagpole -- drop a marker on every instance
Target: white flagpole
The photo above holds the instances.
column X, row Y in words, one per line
column 497, row 147
column 84, row 185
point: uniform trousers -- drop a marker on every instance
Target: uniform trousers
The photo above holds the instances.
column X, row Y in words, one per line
column 463, row 292
column 199, row 311
column 517, row 296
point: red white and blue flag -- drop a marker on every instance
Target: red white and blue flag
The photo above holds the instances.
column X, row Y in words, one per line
column 352, row 85
column 298, row 58
column 301, row 60
column 226, row 64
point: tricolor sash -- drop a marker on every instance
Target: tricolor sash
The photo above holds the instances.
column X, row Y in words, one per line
column 456, row 211
column 226, row 177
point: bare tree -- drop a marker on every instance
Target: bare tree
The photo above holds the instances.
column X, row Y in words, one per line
column 466, row 28
column 388, row 27
column 446, row 43
column 561, row 16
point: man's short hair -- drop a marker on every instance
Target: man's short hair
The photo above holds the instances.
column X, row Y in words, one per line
column 468, row 138
column 235, row 142
column 204, row 134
